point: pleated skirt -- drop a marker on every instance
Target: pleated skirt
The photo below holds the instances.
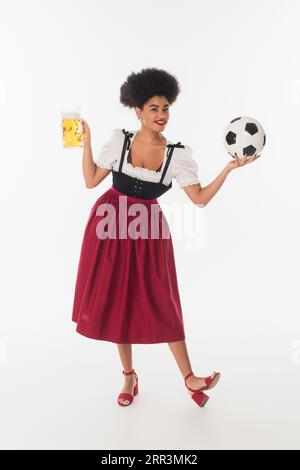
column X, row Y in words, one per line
column 126, row 288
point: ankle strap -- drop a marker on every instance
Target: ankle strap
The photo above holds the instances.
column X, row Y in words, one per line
column 185, row 378
column 128, row 373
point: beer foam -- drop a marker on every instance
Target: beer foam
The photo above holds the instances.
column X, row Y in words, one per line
column 71, row 115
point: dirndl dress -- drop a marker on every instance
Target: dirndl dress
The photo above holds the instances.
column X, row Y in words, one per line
column 126, row 288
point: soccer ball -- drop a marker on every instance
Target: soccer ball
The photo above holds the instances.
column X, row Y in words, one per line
column 244, row 136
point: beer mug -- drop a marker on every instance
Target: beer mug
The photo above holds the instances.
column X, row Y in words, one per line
column 71, row 127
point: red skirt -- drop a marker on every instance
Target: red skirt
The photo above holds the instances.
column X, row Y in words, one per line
column 126, row 288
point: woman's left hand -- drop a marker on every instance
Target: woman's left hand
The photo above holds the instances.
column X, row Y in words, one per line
column 237, row 162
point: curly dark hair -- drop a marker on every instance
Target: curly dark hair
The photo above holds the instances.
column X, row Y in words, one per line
column 140, row 87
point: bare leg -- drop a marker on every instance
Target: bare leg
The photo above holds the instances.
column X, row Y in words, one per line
column 125, row 352
column 179, row 350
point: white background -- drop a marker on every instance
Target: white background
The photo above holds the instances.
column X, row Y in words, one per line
column 240, row 290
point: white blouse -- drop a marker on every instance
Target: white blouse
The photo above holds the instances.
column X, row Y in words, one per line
column 182, row 166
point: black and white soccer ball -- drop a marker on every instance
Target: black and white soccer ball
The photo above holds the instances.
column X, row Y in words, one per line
column 244, row 136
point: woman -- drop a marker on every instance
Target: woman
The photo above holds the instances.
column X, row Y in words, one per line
column 126, row 289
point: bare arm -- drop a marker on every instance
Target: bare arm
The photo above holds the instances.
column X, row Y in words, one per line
column 202, row 196
column 93, row 175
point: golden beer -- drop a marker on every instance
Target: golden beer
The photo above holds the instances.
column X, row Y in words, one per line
column 71, row 130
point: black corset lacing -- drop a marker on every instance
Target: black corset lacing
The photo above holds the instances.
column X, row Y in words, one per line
column 133, row 186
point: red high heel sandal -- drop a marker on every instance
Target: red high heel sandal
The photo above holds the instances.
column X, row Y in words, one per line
column 128, row 396
column 197, row 394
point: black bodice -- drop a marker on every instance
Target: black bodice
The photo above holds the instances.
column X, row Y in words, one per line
column 136, row 187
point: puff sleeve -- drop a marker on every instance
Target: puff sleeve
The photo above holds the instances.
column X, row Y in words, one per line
column 185, row 168
column 110, row 150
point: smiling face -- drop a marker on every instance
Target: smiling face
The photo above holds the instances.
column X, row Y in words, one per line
column 155, row 113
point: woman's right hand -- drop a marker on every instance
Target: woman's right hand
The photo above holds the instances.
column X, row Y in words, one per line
column 86, row 133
